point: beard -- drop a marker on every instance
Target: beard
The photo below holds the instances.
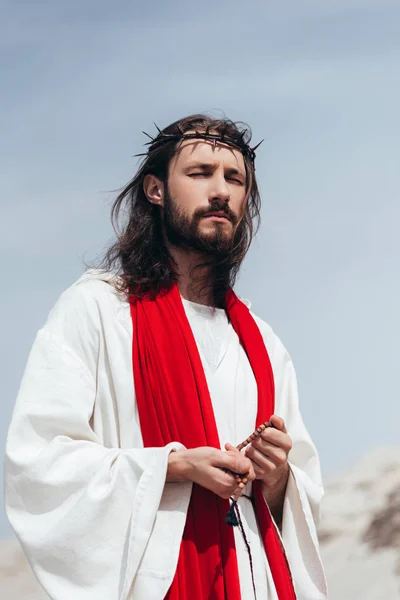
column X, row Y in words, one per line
column 183, row 231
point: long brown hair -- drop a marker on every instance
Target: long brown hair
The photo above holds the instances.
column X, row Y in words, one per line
column 139, row 254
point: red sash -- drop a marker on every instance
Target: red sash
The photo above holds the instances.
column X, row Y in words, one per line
column 174, row 404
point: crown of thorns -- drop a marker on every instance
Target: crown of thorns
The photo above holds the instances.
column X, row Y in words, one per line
column 180, row 135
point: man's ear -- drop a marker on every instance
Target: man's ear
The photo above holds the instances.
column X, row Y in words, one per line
column 153, row 187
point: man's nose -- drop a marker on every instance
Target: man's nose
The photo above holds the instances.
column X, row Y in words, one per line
column 219, row 189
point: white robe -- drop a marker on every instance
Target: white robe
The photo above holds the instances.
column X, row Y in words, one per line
column 89, row 504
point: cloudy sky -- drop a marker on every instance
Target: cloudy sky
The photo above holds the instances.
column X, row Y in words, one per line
column 319, row 81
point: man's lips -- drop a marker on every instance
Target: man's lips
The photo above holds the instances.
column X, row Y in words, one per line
column 217, row 215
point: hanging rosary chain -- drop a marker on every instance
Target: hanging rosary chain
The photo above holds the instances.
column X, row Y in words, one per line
column 233, row 517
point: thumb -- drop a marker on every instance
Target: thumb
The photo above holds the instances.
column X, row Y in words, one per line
column 278, row 423
column 229, row 447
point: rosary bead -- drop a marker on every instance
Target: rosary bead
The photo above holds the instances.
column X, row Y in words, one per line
column 254, row 435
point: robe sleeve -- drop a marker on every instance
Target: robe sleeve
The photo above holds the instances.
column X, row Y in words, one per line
column 304, row 492
column 84, row 513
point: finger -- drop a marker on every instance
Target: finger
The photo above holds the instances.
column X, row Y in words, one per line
column 274, row 453
column 260, row 460
column 243, row 480
column 242, row 467
column 277, row 439
column 251, row 475
column 230, row 448
column 224, row 478
column 278, row 422
column 234, row 461
column 259, row 473
column 226, row 488
column 237, row 493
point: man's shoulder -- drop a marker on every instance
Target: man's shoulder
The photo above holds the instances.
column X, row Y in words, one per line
column 95, row 286
column 86, row 316
column 89, row 300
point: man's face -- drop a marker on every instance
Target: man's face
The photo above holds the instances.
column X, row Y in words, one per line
column 205, row 198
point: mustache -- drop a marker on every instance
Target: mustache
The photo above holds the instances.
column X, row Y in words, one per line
column 216, row 206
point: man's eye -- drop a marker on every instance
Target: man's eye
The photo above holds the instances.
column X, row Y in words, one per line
column 235, row 180
column 196, row 174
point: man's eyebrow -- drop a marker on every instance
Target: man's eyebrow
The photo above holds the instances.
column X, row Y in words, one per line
column 201, row 165
column 234, row 171
column 210, row 166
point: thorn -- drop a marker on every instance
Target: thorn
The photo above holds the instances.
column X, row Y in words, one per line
column 149, row 136
column 158, row 129
column 255, row 147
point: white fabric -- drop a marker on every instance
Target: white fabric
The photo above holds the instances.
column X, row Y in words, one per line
column 89, row 504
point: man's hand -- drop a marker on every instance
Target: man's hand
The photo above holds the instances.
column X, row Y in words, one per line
column 206, row 467
column 269, row 455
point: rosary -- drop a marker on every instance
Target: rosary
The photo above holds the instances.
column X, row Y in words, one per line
column 233, row 514
column 241, row 480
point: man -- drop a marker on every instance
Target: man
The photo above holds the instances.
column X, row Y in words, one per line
column 121, row 456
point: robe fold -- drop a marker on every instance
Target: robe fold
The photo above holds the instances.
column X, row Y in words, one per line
column 89, row 504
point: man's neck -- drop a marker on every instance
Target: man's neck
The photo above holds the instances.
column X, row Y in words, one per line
column 186, row 261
